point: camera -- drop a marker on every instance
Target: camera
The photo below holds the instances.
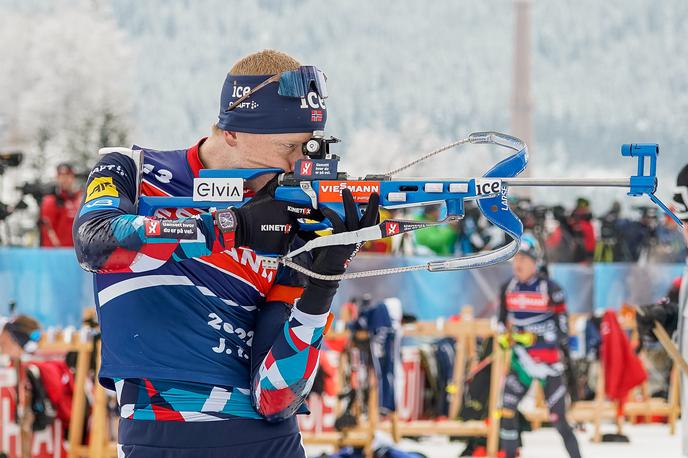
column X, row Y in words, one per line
column 10, row 159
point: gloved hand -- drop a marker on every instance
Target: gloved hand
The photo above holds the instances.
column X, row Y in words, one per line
column 267, row 225
column 334, row 260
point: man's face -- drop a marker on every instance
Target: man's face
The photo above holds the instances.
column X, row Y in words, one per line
column 8, row 346
column 524, row 267
column 65, row 180
column 268, row 151
column 271, row 150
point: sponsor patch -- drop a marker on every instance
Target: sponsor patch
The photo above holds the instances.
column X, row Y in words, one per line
column 393, row 227
column 275, row 228
column 526, row 301
column 486, row 187
column 100, row 204
column 171, row 229
column 110, row 168
column 306, row 168
column 101, row 187
column 218, row 189
column 331, row 191
column 299, row 210
column 152, row 227
column 323, row 169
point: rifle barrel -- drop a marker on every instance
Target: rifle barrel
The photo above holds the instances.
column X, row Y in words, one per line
column 582, row 182
column 579, row 182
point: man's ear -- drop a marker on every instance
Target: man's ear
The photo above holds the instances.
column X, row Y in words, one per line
column 230, row 138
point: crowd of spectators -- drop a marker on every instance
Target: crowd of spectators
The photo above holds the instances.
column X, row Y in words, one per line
column 568, row 235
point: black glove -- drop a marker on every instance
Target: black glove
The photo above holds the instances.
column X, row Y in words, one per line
column 333, row 260
column 267, row 225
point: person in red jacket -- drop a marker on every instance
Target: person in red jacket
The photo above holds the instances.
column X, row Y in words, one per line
column 58, row 210
column 583, row 232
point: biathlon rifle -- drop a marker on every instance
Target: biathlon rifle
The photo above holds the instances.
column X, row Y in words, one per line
column 317, row 182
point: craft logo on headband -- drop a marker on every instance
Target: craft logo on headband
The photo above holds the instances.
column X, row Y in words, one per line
column 265, row 111
column 239, row 91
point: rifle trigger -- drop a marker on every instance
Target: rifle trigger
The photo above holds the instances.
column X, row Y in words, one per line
column 308, row 189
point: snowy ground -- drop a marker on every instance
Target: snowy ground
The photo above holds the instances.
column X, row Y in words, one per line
column 653, row 441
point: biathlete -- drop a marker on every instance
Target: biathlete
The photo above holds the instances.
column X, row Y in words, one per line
column 533, row 317
column 210, row 353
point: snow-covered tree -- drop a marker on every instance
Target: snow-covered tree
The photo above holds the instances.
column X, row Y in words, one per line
column 66, row 82
column 603, row 74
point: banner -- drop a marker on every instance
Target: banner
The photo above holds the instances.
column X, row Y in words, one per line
column 622, row 283
column 48, row 443
column 50, row 285
column 46, row 283
column 431, row 295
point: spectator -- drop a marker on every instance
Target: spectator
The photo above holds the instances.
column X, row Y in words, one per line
column 18, row 336
column 439, row 239
column 58, row 210
column 669, row 245
column 635, row 237
column 609, row 247
column 471, row 238
column 559, row 238
column 583, row 232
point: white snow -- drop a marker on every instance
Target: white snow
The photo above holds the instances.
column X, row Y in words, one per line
column 646, row 441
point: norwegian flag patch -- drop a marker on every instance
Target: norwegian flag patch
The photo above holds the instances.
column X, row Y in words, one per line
column 316, row 115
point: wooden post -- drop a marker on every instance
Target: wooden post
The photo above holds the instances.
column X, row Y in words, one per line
column 619, row 424
column 471, row 355
column 77, row 421
column 98, row 439
column 396, row 432
column 341, row 380
column 23, row 409
column 670, row 347
column 673, row 401
column 373, row 413
column 599, row 405
column 493, row 415
column 459, row 374
column 539, row 404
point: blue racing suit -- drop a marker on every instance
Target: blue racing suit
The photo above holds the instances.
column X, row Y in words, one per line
column 203, row 345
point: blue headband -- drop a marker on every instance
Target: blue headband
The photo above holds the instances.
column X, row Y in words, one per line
column 267, row 112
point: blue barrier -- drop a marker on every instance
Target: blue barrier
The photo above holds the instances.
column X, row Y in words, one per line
column 620, row 283
column 46, row 283
column 50, row 285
